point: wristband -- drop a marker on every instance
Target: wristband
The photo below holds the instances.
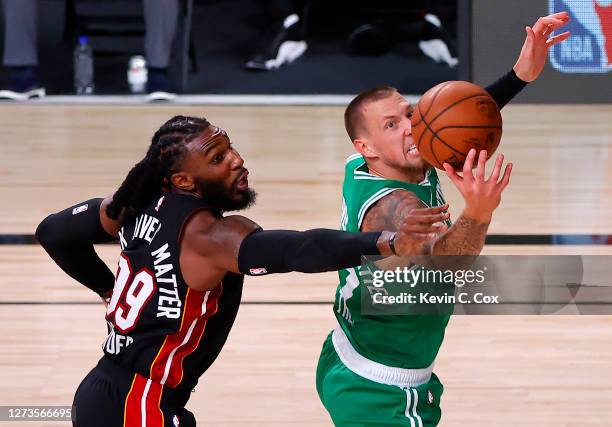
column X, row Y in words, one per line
column 392, row 244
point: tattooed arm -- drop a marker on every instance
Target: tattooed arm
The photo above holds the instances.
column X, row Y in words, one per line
column 393, row 212
column 468, row 233
column 482, row 197
column 466, row 236
column 402, row 212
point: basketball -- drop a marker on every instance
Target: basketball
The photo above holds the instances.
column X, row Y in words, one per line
column 453, row 117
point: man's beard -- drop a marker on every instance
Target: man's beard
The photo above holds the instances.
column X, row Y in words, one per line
column 216, row 195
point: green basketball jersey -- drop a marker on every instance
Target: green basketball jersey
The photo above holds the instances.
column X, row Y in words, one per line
column 408, row 341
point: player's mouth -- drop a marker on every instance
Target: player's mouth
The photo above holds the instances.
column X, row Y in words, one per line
column 412, row 150
column 242, row 183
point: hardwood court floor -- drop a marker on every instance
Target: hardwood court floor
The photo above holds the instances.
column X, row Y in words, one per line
column 497, row 370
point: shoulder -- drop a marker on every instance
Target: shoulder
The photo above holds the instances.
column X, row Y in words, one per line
column 204, row 230
column 356, row 168
column 204, row 220
column 236, row 225
column 399, row 197
column 361, row 188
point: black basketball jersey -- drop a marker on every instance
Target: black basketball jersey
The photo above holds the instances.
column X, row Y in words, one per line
column 160, row 328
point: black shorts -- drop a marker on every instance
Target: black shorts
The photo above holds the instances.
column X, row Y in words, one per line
column 110, row 396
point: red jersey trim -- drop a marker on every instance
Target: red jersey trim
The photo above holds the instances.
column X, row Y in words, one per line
column 167, row 367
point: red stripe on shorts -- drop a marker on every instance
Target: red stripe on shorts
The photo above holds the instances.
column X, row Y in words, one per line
column 142, row 404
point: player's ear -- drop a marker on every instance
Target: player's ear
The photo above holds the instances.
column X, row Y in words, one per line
column 183, row 181
column 364, row 148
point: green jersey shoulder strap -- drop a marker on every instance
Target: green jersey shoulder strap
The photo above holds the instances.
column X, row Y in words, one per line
column 362, row 189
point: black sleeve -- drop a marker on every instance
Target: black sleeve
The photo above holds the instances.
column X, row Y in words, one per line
column 68, row 237
column 505, row 88
column 312, row 251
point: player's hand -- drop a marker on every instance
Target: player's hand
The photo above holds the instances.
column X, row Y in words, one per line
column 482, row 196
column 537, row 42
column 420, row 228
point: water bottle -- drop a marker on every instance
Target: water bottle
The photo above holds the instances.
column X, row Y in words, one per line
column 137, row 74
column 83, row 68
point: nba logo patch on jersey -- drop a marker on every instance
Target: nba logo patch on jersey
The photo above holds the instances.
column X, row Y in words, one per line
column 589, row 48
column 258, row 271
column 175, row 421
column 430, row 397
column 80, row 209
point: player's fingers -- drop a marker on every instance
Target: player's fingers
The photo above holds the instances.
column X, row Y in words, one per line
column 433, row 236
column 506, row 178
column 480, row 169
column 426, row 216
column 468, row 165
column 563, row 16
column 420, row 237
column 419, row 224
column 419, row 243
column 546, row 25
column 558, row 39
column 428, row 211
column 422, row 228
column 428, row 219
column 545, row 21
column 452, row 174
column 529, row 34
column 438, row 231
column 497, row 168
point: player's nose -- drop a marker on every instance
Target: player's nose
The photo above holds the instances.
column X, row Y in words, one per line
column 237, row 161
column 408, row 129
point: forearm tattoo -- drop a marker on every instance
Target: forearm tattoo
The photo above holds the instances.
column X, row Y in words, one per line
column 465, row 237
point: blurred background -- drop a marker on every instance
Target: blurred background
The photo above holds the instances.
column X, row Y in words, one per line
column 347, row 45
column 291, row 47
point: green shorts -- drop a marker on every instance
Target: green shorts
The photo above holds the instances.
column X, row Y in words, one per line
column 353, row 400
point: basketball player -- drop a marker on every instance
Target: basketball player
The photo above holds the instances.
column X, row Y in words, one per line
column 376, row 370
column 180, row 273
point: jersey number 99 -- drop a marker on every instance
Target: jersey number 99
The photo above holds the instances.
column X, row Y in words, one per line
column 130, row 295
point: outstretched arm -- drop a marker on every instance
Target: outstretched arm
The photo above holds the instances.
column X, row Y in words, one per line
column 237, row 244
column 319, row 250
column 532, row 58
column 466, row 235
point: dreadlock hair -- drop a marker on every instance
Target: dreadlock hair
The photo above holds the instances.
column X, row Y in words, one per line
column 146, row 179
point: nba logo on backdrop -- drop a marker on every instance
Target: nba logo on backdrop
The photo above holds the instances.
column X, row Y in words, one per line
column 589, row 49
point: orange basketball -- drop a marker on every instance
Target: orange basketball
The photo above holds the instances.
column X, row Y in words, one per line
column 453, row 117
